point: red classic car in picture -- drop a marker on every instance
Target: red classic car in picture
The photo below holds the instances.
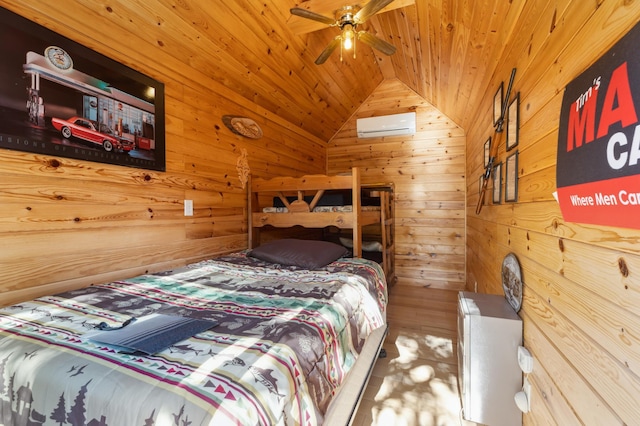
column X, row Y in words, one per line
column 88, row 130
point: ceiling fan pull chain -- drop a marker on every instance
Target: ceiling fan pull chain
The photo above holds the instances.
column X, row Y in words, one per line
column 354, row 45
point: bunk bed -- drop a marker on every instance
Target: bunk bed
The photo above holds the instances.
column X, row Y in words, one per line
column 285, row 202
column 265, row 343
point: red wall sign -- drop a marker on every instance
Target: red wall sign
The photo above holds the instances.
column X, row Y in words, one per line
column 598, row 164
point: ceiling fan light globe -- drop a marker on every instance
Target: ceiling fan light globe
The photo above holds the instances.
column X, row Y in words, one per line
column 348, row 36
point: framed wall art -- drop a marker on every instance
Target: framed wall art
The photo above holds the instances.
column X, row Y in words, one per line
column 60, row 98
column 497, row 105
column 513, row 122
column 487, row 151
column 511, row 178
column 497, row 183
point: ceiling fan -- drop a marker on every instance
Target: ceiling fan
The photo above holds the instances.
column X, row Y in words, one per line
column 348, row 18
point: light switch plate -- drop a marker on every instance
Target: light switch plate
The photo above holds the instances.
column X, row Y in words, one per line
column 188, row 207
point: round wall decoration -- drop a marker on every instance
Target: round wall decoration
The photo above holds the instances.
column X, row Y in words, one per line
column 242, row 126
column 59, row 58
column 512, row 281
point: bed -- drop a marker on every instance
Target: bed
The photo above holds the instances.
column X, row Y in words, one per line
column 285, row 202
column 288, row 345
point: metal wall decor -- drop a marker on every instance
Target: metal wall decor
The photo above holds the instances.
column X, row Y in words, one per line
column 499, row 119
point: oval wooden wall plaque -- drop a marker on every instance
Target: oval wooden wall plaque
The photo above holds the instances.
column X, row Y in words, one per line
column 242, row 126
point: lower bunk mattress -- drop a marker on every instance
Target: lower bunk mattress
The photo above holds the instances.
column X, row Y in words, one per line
column 284, row 340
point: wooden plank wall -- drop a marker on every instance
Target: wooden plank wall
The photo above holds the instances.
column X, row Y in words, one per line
column 582, row 288
column 427, row 170
column 67, row 223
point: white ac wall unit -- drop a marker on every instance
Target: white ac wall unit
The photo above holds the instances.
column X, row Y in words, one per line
column 387, row 125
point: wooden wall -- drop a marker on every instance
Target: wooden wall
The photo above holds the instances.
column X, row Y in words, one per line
column 67, row 223
column 581, row 282
column 70, row 223
column 428, row 172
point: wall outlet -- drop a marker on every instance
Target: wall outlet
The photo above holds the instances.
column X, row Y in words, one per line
column 525, row 360
column 188, row 207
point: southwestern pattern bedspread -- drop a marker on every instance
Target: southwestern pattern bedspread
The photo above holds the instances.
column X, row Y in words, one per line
column 285, row 340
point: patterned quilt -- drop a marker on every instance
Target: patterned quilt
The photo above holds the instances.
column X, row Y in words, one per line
column 284, row 342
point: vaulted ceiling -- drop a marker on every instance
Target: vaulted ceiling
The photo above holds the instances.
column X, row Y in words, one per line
column 446, row 50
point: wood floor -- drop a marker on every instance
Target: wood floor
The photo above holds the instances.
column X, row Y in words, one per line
column 416, row 384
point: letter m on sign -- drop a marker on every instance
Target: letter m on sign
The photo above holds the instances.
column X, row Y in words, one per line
column 582, row 124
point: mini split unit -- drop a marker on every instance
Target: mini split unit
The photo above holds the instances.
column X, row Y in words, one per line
column 387, row 125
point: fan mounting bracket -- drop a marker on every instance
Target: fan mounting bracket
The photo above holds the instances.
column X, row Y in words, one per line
column 347, row 15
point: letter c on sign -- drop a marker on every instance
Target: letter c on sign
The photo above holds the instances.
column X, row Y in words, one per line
column 617, row 139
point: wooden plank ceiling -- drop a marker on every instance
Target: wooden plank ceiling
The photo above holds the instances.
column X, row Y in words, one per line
column 446, row 51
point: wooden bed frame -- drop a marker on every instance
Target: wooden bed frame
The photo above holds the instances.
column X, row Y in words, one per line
column 300, row 212
column 344, row 405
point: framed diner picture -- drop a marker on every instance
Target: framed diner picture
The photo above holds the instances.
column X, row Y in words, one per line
column 511, row 178
column 497, row 183
column 63, row 99
column 513, row 122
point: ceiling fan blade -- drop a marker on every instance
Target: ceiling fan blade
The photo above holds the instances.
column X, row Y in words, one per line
column 370, row 9
column 304, row 13
column 376, row 43
column 328, row 51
